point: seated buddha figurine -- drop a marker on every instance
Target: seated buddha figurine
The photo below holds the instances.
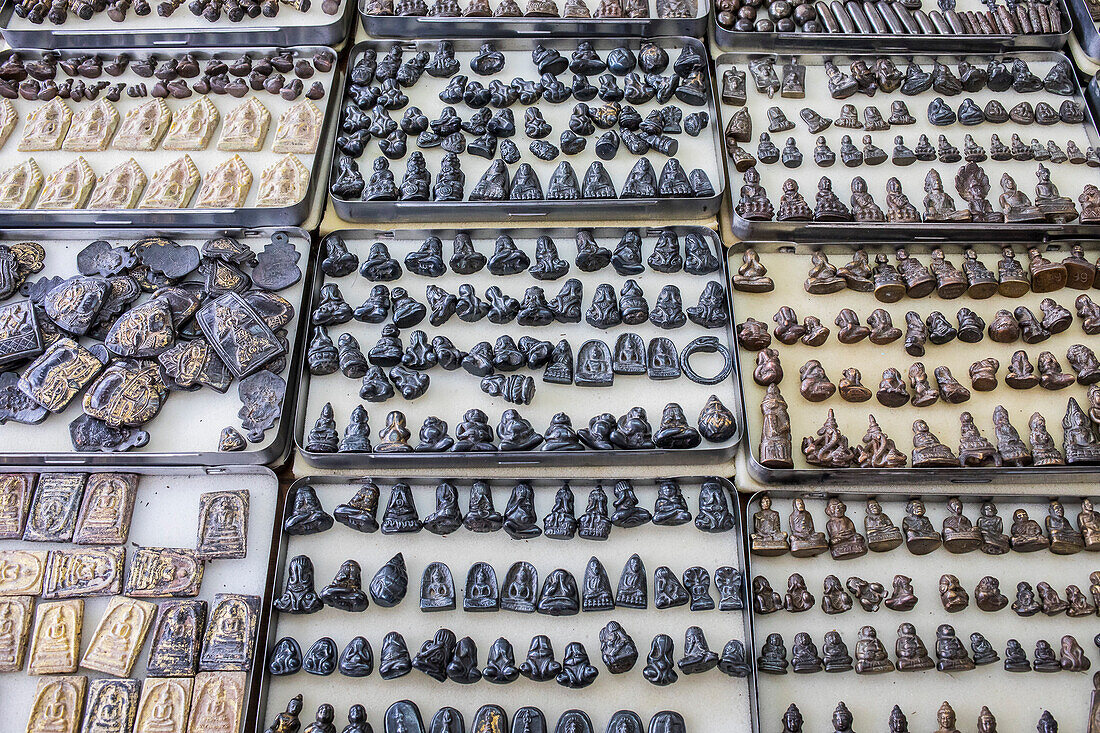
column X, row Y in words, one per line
column 898, row 208
column 1016, row 205
column 1056, row 208
column 863, row 203
column 938, row 205
column 994, row 540
column 754, row 204
column 959, row 534
column 1064, row 539
column 920, row 536
column 792, row 207
column 767, row 538
column 844, row 541
column 805, row 541
column 871, row 657
column 882, row 535
column 1027, row 535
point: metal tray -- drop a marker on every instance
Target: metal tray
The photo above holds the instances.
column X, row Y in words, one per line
column 378, row 26
column 247, row 216
column 1015, row 699
column 1085, row 29
column 175, row 493
column 1068, row 177
column 884, row 43
column 460, row 550
column 289, row 28
column 202, row 414
column 343, row 393
column 782, row 258
column 706, row 148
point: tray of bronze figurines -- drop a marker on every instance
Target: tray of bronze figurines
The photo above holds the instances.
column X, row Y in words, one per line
column 970, row 363
column 550, row 128
column 170, row 348
column 204, row 137
column 133, row 601
column 423, row 625
column 105, row 24
column 504, row 18
column 999, row 628
column 926, row 147
column 477, row 354
column 891, row 26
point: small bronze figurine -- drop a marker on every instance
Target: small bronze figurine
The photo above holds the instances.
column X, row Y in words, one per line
column 805, row 540
column 920, row 536
column 878, row 450
column 952, row 595
column 822, row 278
column 882, row 535
column 775, row 431
column 829, row 449
column 767, row 539
column 844, row 541
column 1027, row 535
column 928, row 451
column 851, row 386
column 974, row 448
column 902, row 598
column 815, row 385
column 910, row 650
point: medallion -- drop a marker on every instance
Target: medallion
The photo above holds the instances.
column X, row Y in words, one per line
column 8, row 118
column 117, row 641
column 55, row 645
column 68, row 187
column 108, row 506
column 167, row 257
column 15, row 502
column 172, row 186
column 284, row 183
column 103, row 259
column 55, row 507
column 20, row 335
column 20, row 184
column 194, row 364
column 22, row 572
column 193, row 126
column 227, row 249
column 120, row 187
column 226, row 185
column 17, row 261
column 55, row 378
column 177, row 635
column 277, row 266
column 46, row 126
column 222, row 277
column 92, row 128
column 164, row 704
column 245, row 127
column 299, row 129
column 261, row 396
column 162, row 572
column 142, row 332
column 16, row 614
column 217, row 702
column 231, row 633
column 95, row 571
column 57, row 704
column 237, row 334
column 74, row 304
column 111, row 707
column 16, row 405
column 223, row 525
column 129, row 393
column 89, row 434
column 144, row 126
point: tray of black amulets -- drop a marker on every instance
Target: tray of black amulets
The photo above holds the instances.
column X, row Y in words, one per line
column 527, row 128
column 178, row 347
column 477, row 355
column 420, row 629
column 986, row 613
column 969, row 362
column 828, row 147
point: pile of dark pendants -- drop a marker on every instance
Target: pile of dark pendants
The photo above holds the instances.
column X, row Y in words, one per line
column 971, row 181
column 177, row 77
column 959, row 535
column 576, row 9
column 892, row 17
column 366, row 116
column 843, row 720
column 404, row 717
column 235, row 11
column 596, row 364
column 830, row 448
column 307, row 516
column 212, row 316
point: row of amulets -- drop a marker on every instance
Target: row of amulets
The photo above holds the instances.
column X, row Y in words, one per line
column 1005, row 328
column 951, row 655
column 614, row 9
column 987, row 596
column 971, row 182
column 830, row 447
column 910, row 278
column 474, row 434
column 842, row 720
column 815, row 385
column 959, row 535
column 558, row 597
column 519, row 520
column 404, row 717
column 445, row 657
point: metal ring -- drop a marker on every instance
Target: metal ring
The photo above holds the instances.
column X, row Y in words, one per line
column 707, row 345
